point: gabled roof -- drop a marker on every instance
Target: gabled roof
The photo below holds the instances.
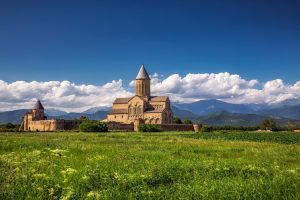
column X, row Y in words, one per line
column 158, row 98
column 143, row 74
column 122, row 100
column 38, row 105
column 153, row 99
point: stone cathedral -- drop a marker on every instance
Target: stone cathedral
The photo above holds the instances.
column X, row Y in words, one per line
column 142, row 106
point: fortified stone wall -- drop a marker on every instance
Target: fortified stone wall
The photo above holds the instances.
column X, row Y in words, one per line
column 45, row 125
column 114, row 126
column 71, row 124
column 53, row 125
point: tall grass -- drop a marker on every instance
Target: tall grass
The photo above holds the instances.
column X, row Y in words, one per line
column 145, row 166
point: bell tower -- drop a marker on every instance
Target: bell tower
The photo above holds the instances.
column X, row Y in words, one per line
column 142, row 83
column 38, row 111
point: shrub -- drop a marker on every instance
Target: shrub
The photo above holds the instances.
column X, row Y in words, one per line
column 269, row 124
column 93, row 126
column 177, row 120
column 84, row 118
column 149, row 128
column 206, row 129
column 187, row 121
column 9, row 127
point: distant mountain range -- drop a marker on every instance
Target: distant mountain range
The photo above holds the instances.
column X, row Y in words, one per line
column 291, row 112
column 222, row 118
column 210, row 112
column 204, row 107
column 15, row 116
column 98, row 115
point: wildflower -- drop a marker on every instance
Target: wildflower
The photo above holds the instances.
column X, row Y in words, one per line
column 292, row 171
column 97, row 157
column 68, row 195
column 41, row 176
column 17, row 169
column 58, row 152
column 116, row 176
column 93, row 195
column 143, row 176
column 69, row 171
column 51, row 192
column 36, row 153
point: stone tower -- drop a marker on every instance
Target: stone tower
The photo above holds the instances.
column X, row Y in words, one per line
column 142, row 83
column 38, row 111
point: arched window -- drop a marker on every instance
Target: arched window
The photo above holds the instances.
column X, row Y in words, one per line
column 157, row 121
column 129, row 110
column 139, row 110
column 151, row 121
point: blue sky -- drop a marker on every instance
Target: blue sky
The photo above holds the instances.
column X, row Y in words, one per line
column 94, row 42
column 72, row 54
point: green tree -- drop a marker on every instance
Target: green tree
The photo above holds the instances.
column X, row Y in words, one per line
column 187, row 121
column 93, row 126
column 83, row 118
column 177, row 120
column 9, row 127
column 292, row 125
column 149, row 128
column 269, row 124
column 206, row 129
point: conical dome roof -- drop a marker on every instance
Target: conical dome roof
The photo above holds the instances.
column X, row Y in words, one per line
column 142, row 73
column 38, row 105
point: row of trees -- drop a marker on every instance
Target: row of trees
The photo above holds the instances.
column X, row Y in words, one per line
column 267, row 124
column 92, row 125
column 177, row 120
column 88, row 125
column 9, row 127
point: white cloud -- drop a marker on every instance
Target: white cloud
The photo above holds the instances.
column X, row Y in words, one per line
column 223, row 86
column 61, row 95
column 69, row 96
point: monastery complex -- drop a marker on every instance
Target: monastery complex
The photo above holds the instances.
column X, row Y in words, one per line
column 126, row 114
column 142, row 106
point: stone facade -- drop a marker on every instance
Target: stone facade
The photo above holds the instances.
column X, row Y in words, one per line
column 142, row 106
column 35, row 120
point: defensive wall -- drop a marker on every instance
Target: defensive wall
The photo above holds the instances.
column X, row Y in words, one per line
column 52, row 125
column 115, row 126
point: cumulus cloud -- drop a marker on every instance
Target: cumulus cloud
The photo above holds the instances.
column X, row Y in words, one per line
column 61, row 95
column 224, row 86
column 69, row 96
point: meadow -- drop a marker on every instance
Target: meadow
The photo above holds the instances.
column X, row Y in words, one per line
column 165, row 165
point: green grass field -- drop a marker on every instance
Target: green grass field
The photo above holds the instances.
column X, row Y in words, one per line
column 175, row 165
